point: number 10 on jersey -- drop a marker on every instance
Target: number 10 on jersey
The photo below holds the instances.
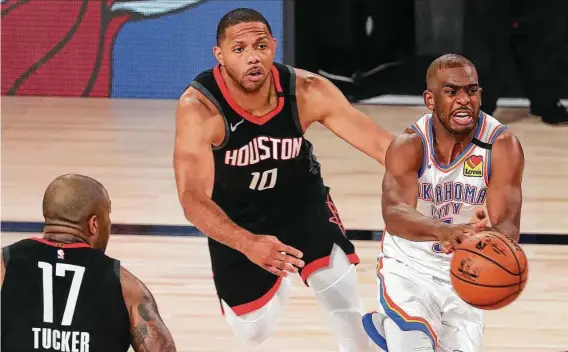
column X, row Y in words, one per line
column 263, row 180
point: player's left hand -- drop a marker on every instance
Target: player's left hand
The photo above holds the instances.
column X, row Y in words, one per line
column 479, row 221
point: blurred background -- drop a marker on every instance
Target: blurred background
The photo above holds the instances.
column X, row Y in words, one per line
column 373, row 48
column 153, row 48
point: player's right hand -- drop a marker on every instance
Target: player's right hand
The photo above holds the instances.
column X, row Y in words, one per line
column 453, row 235
column 272, row 255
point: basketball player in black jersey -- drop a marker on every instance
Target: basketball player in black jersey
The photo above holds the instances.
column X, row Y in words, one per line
column 62, row 293
column 248, row 179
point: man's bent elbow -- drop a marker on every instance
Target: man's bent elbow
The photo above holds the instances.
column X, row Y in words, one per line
column 187, row 200
column 391, row 215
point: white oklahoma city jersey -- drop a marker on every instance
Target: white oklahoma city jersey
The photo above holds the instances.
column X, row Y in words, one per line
column 449, row 193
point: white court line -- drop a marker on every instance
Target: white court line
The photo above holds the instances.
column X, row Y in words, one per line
column 418, row 100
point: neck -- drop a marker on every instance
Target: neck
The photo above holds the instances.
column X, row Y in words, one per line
column 449, row 146
column 63, row 234
column 259, row 102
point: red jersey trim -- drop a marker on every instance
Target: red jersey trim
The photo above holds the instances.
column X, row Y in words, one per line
column 61, row 245
column 258, row 303
column 322, row 263
column 259, row 120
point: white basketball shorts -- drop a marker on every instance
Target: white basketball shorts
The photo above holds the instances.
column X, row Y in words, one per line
column 415, row 301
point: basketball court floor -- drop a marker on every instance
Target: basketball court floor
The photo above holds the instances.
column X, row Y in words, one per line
column 127, row 145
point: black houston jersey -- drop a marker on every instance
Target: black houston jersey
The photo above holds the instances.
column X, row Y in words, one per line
column 262, row 160
column 62, row 298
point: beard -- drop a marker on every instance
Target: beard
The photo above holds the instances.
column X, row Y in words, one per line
column 446, row 121
column 247, row 86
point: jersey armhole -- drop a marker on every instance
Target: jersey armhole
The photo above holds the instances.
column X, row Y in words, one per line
column 116, row 268
column 215, row 102
column 424, row 149
column 490, row 141
column 6, row 255
column 292, row 99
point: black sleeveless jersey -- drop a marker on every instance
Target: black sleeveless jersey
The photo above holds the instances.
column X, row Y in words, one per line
column 62, row 297
column 264, row 163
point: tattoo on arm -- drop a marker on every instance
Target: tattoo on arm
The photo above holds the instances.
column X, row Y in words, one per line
column 148, row 331
column 139, row 334
column 144, row 311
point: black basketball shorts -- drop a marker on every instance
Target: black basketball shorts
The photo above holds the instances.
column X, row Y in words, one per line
column 312, row 227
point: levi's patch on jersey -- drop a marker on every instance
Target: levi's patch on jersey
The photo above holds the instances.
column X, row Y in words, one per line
column 473, row 166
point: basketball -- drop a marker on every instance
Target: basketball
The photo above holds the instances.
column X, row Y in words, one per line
column 489, row 270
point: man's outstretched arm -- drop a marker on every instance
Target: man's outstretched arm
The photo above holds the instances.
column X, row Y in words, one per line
column 320, row 100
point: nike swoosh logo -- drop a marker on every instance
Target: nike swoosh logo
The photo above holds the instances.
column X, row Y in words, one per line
column 234, row 127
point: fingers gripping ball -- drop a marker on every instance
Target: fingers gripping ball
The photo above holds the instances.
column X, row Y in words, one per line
column 489, row 270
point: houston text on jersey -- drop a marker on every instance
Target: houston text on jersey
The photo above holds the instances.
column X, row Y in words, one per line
column 262, row 148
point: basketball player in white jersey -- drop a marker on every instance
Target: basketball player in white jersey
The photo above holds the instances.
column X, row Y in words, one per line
column 439, row 172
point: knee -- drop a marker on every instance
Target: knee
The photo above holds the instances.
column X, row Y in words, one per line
column 251, row 329
column 252, row 334
column 340, row 274
column 255, row 327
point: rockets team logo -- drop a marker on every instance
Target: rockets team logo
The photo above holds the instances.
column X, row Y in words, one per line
column 334, row 219
column 473, row 166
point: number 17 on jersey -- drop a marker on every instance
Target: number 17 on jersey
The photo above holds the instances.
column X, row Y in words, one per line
column 55, row 339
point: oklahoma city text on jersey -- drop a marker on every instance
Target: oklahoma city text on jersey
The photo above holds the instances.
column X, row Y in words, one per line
column 452, row 196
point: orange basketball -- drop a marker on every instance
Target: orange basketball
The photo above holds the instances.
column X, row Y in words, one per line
column 489, row 270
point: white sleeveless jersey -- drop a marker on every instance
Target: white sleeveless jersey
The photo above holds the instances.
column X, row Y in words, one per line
column 449, row 193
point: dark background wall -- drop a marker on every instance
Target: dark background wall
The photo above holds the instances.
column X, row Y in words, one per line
column 396, row 40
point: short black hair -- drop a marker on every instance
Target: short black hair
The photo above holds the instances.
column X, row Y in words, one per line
column 73, row 199
column 446, row 61
column 236, row 16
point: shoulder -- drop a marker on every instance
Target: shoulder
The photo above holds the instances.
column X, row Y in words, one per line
column 406, row 148
column 193, row 103
column 507, row 145
column 197, row 115
column 309, row 82
column 408, row 142
column 129, row 280
column 507, row 138
column 318, row 97
column 133, row 289
column 20, row 247
column 507, row 148
column 17, row 249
